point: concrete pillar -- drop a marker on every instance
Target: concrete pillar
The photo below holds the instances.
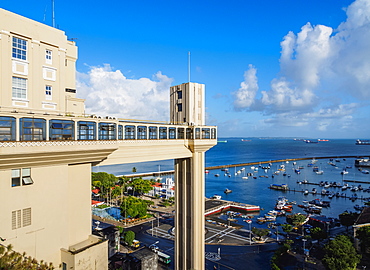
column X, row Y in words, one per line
column 189, row 218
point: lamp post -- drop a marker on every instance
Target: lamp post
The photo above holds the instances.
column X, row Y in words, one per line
column 250, row 231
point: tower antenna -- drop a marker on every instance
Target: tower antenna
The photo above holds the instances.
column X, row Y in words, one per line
column 189, row 66
column 52, row 8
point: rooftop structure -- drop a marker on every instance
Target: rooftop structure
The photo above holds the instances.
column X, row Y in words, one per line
column 48, row 145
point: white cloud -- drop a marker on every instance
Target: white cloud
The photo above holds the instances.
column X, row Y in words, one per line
column 245, row 95
column 316, row 61
column 109, row 93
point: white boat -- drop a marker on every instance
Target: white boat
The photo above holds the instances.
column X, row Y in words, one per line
column 305, row 192
column 320, row 172
column 216, row 197
column 226, row 191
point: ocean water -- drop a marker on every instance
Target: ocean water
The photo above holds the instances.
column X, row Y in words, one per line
column 256, row 191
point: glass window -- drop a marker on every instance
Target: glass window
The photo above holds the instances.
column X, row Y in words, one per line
column 7, row 128
column 197, row 133
column 213, row 133
column 86, row 130
column 163, row 133
column 32, row 129
column 48, row 92
column 21, row 174
column 141, row 133
column 205, row 133
column 130, row 132
column 19, row 88
column 19, row 48
column 61, row 130
column 107, row 131
column 120, row 132
column 153, row 133
column 172, row 133
column 189, row 133
column 179, row 107
column 16, row 177
column 48, row 57
column 180, row 133
column 179, row 94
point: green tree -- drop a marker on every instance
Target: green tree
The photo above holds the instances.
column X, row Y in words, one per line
column 296, row 219
column 347, row 218
column 104, row 181
column 260, row 233
column 287, row 228
column 141, row 185
column 318, row 234
column 129, row 237
column 12, row 260
column 363, row 234
column 133, row 207
column 340, row 254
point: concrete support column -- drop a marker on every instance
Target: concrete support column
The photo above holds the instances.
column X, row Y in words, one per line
column 189, row 219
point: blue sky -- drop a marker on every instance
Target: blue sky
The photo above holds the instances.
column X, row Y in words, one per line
column 271, row 68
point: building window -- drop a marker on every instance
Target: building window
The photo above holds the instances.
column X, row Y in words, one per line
column 197, row 133
column 16, row 219
column 21, row 177
column 19, row 48
column 179, row 94
column 7, row 128
column 120, row 132
column 153, row 133
column 141, row 133
column 205, row 133
column 48, row 92
column 189, row 133
column 180, row 133
column 32, row 129
column 179, row 107
column 107, row 131
column 19, row 88
column 172, row 133
column 61, row 130
column 64, row 266
column 130, row 132
column 213, row 133
column 86, row 130
column 163, row 133
column 48, row 57
column 21, row 218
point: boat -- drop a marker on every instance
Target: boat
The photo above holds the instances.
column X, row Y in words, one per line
column 244, row 140
column 344, row 171
column 323, row 192
column 227, row 191
column 305, row 192
column 362, row 142
column 320, row 172
column 314, row 191
column 222, row 141
column 216, row 197
column 217, row 175
column 279, row 187
column 362, row 162
column 365, row 171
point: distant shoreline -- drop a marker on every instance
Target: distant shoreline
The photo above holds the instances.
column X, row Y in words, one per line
column 169, row 172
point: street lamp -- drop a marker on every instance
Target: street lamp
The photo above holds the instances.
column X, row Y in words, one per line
column 249, row 221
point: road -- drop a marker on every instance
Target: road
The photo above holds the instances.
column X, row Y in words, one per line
column 235, row 256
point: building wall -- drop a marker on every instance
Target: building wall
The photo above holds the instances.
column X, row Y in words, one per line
column 58, row 73
column 58, row 202
column 187, row 104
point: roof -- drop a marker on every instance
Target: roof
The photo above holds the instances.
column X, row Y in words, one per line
column 364, row 216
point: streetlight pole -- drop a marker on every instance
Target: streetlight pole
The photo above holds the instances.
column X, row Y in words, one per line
column 250, row 231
